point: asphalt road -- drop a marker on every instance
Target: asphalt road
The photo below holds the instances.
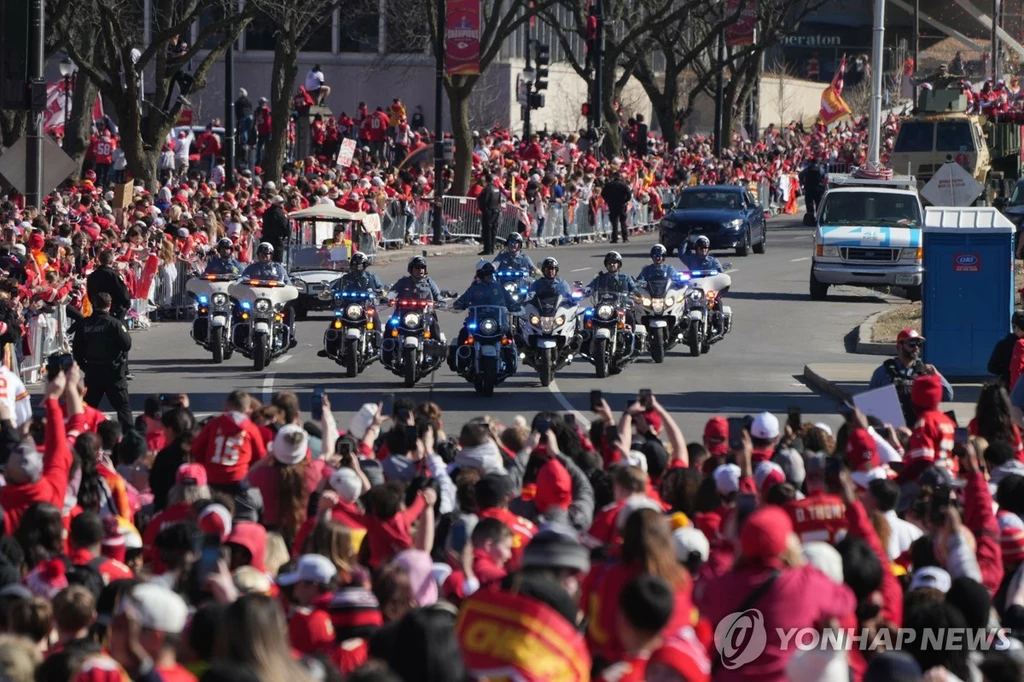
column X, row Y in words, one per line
column 776, row 331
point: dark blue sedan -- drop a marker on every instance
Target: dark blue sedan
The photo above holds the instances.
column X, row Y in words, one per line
column 728, row 215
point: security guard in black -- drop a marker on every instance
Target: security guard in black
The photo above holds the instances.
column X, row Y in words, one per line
column 101, row 348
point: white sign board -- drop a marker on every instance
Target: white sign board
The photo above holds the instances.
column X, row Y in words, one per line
column 883, row 403
column 952, row 185
column 347, row 151
column 449, row 149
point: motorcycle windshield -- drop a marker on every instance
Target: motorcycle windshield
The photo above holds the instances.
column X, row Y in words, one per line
column 658, row 287
column 547, row 304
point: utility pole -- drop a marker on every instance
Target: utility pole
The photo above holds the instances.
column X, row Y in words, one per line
column 877, row 71
column 36, row 62
column 442, row 27
column 528, row 68
column 720, row 95
column 596, row 110
column 917, row 43
column 229, row 115
column 996, row 8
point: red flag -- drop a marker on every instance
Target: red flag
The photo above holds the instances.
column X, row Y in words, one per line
column 833, row 107
column 837, row 80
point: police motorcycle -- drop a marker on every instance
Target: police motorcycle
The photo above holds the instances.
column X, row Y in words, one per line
column 549, row 329
column 661, row 304
column 214, row 314
column 709, row 320
column 485, row 353
column 413, row 345
column 611, row 339
column 354, row 335
column 263, row 329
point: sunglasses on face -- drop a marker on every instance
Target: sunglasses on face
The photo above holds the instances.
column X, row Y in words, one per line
column 913, row 344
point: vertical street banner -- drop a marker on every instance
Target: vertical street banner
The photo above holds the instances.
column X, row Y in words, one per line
column 462, row 38
column 742, row 32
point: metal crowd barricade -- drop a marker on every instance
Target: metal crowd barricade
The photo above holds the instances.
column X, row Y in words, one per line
column 764, row 194
column 46, row 336
column 461, row 218
column 393, row 224
column 175, row 302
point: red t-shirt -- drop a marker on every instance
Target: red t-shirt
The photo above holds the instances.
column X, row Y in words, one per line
column 227, row 447
column 389, row 537
column 309, row 629
column 523, row 531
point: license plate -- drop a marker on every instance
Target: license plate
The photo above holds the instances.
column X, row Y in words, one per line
column 904, row 279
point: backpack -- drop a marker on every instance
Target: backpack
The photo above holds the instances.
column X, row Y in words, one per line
column 88, row 575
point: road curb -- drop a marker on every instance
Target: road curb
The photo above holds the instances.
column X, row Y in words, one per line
column 399, row 255
column 824, row 385
column 865, row 346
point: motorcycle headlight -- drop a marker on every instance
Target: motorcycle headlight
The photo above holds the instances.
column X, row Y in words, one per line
column 657, row 305
column 488, row 326
column 560, row 320
column 534, row 319
column 220, row 299
column 645, row 302
column 354, row 312
column 670, row 301
column 411, row 320
column 547, row 324
column 262, row 305
column 696, row 295
column 605, row 312
column 510, row 287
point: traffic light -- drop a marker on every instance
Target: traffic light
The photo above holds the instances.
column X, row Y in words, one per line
column 537, row 100
column 543, row 61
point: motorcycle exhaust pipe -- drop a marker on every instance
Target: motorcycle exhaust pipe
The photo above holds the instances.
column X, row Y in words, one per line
column 388, row 345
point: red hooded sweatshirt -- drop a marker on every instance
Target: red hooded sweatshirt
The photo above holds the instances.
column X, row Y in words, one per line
column 388, row 537
column 932, row 439
column 53, row 483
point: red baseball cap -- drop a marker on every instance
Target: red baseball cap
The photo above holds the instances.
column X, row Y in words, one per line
column 716, row 436
column 192, row 472
column 907, row 334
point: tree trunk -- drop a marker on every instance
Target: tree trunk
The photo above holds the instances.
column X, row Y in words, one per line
column 282, row 82
column 142, row 161
column 78, row 129
column 458, row 103
column 663, row 104
column 612, row 140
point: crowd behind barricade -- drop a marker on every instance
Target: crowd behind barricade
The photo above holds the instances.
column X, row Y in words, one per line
column 393, row 545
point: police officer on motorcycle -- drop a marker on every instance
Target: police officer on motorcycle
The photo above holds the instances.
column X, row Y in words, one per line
column 901, row 371
column 417, row 285
column 612, row 280
column 358, row 277
column 224, row 262
column 484, row 291
column 700, row 257
column 550, row 282
column 658, row 269
column 513, row 258
column 266, row 269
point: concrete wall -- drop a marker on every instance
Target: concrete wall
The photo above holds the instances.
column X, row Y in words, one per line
column 782, row 100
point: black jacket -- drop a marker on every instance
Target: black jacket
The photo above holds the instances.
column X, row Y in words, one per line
column 101, row 345
column 275, row 225
column 106, row 279
column 489, row 201
column 617, row 194
column 165, row 469
column 999, row 361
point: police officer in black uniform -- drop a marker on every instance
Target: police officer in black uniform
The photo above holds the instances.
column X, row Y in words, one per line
column 901, row 371
column 101, row 348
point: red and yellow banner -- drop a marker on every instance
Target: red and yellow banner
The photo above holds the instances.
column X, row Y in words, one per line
column 833, row 106
column 741, row 32
column 462, row 38
column 507, row 637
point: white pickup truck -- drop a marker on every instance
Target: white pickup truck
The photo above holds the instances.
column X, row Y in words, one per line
column 868, row 234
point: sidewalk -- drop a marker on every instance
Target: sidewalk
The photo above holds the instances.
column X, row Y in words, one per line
column 389, row 256
column 846, row 379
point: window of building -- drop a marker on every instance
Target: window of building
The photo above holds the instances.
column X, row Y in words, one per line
column 360, row 29
column 408, row 29
column 261, row 35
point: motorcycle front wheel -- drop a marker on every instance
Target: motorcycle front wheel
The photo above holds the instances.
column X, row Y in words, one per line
column 351, row 358
column 488, row 377
column 259, row 351
column 600, row 357
column 546, row 367
column 217, row 344
column 658, row 345
column 409, row 366
column 696, row 340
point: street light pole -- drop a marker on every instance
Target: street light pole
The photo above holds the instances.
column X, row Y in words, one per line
column 442, row 28
column 597, row 110
column 229, row 115
column 67, row 68
column 34, row 140
column 720, row 94
column 917, row 43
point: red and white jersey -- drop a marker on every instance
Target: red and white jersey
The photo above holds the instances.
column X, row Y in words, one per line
column 819, row 517
column 14, row 394
column 932, row 439
column 227, row 446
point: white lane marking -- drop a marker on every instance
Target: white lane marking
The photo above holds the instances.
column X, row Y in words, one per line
column 268, row 387
column 730, row 271
column 797, row 260
column 564, row 402
column 581, row 269
column 283, row 359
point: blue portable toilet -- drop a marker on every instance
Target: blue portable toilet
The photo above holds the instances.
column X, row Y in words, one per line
column 968, row 288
